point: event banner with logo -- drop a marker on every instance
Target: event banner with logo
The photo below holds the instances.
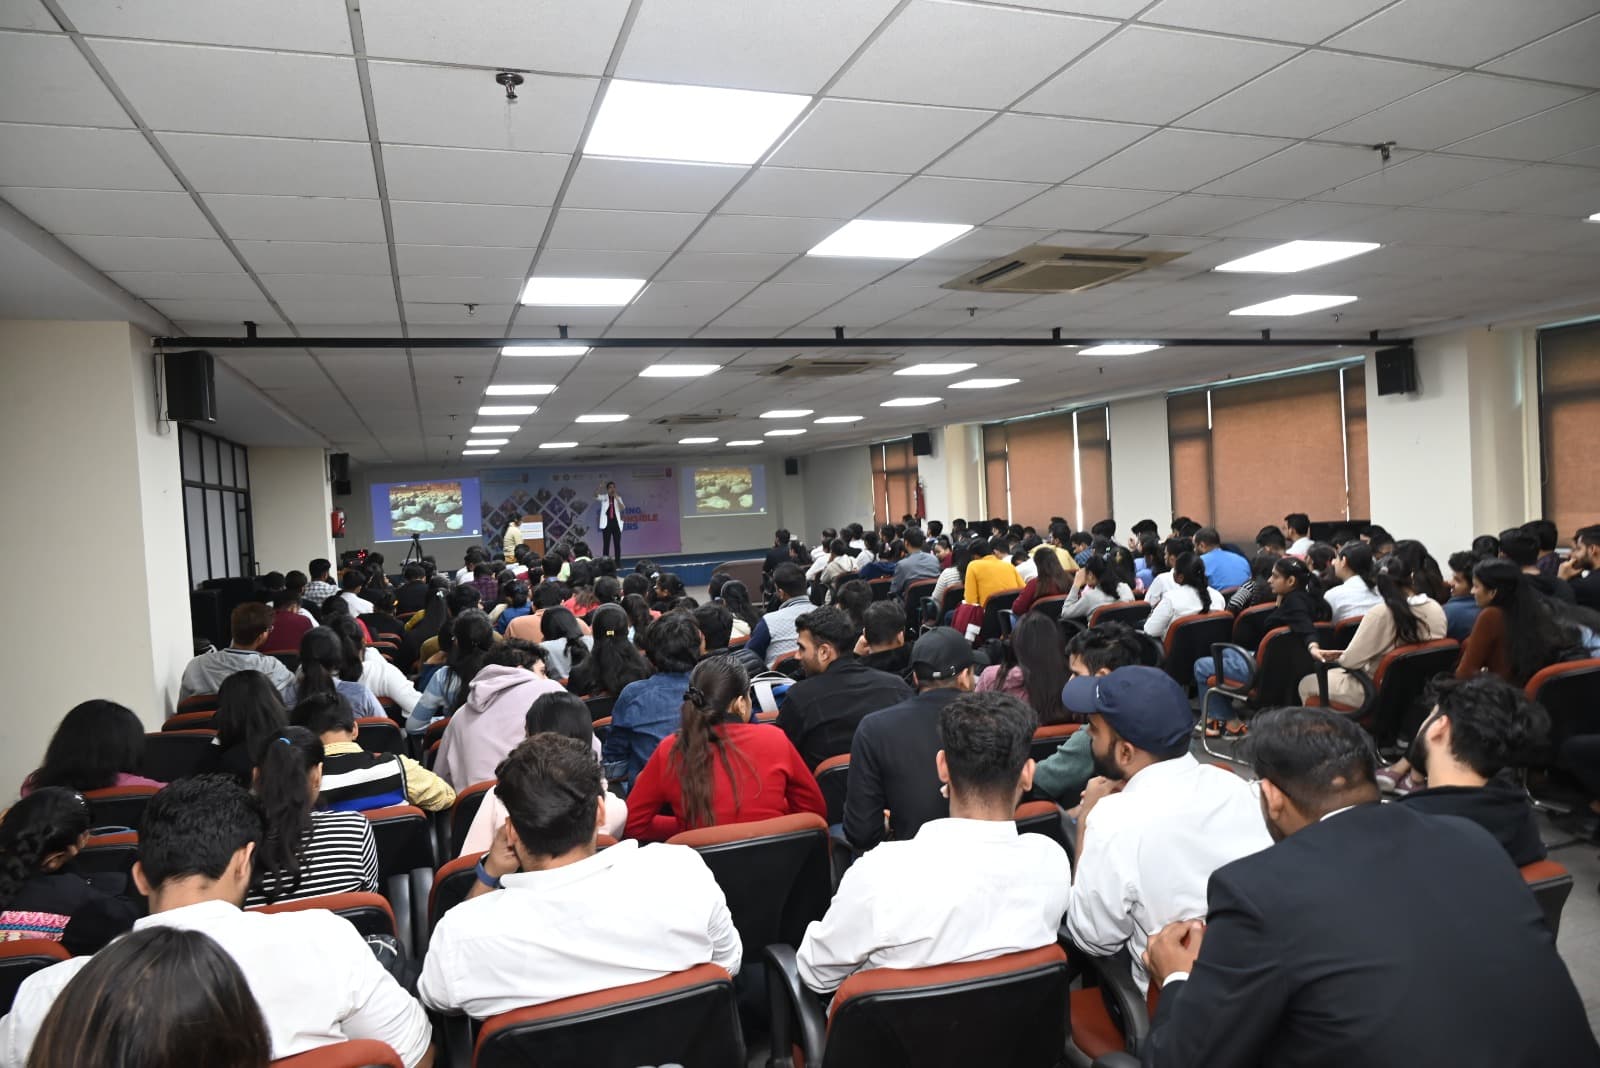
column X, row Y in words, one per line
column 567, row 497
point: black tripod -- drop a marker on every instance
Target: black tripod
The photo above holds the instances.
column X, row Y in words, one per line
column 414, row 554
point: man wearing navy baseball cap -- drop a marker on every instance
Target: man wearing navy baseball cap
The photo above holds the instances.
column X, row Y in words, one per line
column 1155, row 823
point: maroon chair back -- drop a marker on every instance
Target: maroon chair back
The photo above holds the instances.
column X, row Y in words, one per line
column 1191, row 637
column 1046, row 740
column 1401, row 678
column 173, row 755
column 370, row 914
column 118, row 806
column 1133, row 613
column 380, row 734
column 464, row 811
column 1551, row 883
column 356, row 1053
column 1570, row 693
column 833, row 778
column 22, row 958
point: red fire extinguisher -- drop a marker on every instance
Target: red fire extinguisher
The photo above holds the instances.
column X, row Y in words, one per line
column 338, row 522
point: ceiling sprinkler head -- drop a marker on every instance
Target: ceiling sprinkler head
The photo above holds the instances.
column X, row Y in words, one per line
column 510, row 80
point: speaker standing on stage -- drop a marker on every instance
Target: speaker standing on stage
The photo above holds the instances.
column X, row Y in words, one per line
column 513, row 539
column 611, row 509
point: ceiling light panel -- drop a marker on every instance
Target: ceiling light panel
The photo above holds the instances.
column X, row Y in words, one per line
column 1297, row 256
column 745, row 442
column 558, row 445
column 600, row 417
column 544, row 350
column 520, row 391
column 479, row 452
column 1118, row 348
column 839, row 419
column 881, row 240
column 508, row 409
column 696, row 441
column 787, row 413
column 680, row 370
column 909, row 402
column 1294, row 304
column 690, row 123
column 477, row 442
column 788, row 433
column 494, row 428
column 985, row 383
column 936, row 369
column 580, row 293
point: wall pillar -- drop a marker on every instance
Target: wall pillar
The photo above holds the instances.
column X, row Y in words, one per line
column 1141, row 463
column 290, row 502
column 93, row 487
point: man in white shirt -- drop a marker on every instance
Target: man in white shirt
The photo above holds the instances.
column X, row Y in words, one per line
column 1297, row 529
column 314, row 977
column 350, row 584
column 552, row 916
column 1155, row 823
column 965, row 888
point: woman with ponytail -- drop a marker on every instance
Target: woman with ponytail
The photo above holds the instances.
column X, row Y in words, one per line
column 719, row 768
column 471, row 637
column 39, row 897
column 1401, row 617
column 1188, row 595
column 614, row 661
column 307, row 852
column 1357, row 591
column 330, row 663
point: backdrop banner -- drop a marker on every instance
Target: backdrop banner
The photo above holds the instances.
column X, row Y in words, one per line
column 566, row 497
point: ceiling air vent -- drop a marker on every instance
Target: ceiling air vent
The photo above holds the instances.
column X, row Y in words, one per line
column 624, row 445
column 687, row 420
column 1052, row 269
column 827, row 366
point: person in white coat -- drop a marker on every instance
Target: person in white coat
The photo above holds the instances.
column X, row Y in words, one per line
column 609, row 518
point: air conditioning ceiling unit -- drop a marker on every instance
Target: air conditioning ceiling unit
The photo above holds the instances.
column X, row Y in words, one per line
column 1052, row 269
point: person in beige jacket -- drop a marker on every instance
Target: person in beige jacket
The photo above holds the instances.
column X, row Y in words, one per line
column 1403, row 617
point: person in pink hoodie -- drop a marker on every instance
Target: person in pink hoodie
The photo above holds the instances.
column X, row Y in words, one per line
column 483, row 731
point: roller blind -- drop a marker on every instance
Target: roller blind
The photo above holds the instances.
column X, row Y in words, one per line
column 1189, row 443
column 1094, row 465
column 996, row 492
column 1569, row 411
column 1039, row 470
column 894, row 480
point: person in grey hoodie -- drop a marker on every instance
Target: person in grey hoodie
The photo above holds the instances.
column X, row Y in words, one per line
column 249, row 626
column 492, row 722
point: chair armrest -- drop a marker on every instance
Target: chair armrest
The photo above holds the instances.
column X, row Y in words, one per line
column 1132, row 1009
column 795, row 1012
column 841, row 854
column 1218, row 665
column 1117, row 1060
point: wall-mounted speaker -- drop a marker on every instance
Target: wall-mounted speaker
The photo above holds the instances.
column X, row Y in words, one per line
column 1397, row 371
column 341, row 487
column 922, row 444
column 339, row 466
column 791, row 465
column 191, row 386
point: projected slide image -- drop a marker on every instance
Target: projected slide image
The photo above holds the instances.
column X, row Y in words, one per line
column 445, row 508
column 731, row 489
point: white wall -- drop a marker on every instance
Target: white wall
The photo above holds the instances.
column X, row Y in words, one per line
column 93, row 477
column 1141, row 462
column 838, row 490
column 290, row 501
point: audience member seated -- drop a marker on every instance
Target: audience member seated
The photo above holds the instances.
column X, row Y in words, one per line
column 1380, row 541
column 883, row 564
column 1080, row 543
column 820, row 713
column 1297, row 529
column 955, row 573
column 381, row 622
column 197, row 847
column 917, row 564
column 882, row 645
column 555, row 713
column 853, row 598
column 967, row 887
column 289, row 622
column 159, row 996
column 350, row 584
column 1402, row 617
column 1522, row 549
column 1356, row 570
column 735, row 597
column 354, row 780
column 41, row 896
column 841, row 561
column 319, row 589
column 426, row 624
column 649, row 710
column 330, row 663
column 990, row 572
column 1034, row 666
column 1517, row 632
column 249, row 710
column 516, row 607
column 778, row 554
column 565, row 644
column 1478, row 729
column 1049, row 579
column 1155, row 822
column 250, row 625
column 1257, row 589
column 719, row 768
column 1189, row 594
column 1461, row 610
column 412, row 594
column 97, row 745
column 307, row 851
column 1098, row 651
column 775, row 636
column 553, row 916
column 491, row 722
column 716, row 627
column 460, row 600
column 893, row 766
column 1224, row 569
column 1097, row 582
column 1581, row 570
column 614, row 661
column 1300, row 607
column 471, row 638
column 1358, row 898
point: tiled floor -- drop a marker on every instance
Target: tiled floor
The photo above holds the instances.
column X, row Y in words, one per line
column 1580, row 921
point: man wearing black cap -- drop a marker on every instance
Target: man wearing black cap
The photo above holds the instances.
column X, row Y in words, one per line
column 820, row 713
column 1155, row 823
column 892, row 756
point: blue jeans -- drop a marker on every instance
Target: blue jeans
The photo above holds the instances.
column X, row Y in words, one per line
column 1235, row 669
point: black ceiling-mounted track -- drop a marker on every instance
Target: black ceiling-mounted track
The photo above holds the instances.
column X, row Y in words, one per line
column 835, row 342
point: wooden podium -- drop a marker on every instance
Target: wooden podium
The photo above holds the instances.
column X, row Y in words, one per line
column 533, row 533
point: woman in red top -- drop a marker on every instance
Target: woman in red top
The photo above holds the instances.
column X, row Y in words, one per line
column 719, row 768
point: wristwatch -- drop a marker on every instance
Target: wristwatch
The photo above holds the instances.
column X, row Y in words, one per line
column 491, row 881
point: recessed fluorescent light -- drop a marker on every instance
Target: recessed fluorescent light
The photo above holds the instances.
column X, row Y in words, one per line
column 1295, row 304
column 1594, row 218
column 786, row 413
column 696, row 441
column 581, row 292
column 984, row 383
column 496, row 429
column 508, row 409
column 690, row 123
column 679, row 370
column 519, row 391
column 909, row 402
column 1297, row 256
column 1117, row 348
column 479, row 452
column 488, row 441
column 789, row 433
column 840, row 419
column 879, row 240
column 936, row 369
column 746, row 442
column 558, row 445
column 599, row 418
column 544, row 350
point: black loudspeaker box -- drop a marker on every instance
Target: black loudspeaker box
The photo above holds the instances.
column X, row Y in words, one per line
column 191, row 386
column 341, row 487
column 791, row 465
column 1397, row 371
column 922, row 444
column 339, row 466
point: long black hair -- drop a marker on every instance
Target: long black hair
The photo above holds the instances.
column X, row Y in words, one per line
column 42, row 824
column 1036, row 648
column 1357, row 556
column 638, row 610
column 1191, row 571
column 95, row 742
column 1534, row 637
column 736, row 599
column 1395, row 584
column 560, row 623
column 1306, row 582
column 716, row 683
column 248, row 710
column 473, row 638
column 284, row 765
column 614, row 661
column 322, row 662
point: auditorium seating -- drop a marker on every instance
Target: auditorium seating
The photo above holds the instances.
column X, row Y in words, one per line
column 357, row 1053
column 1551, row 884
column 1191, row 637
column 994, row 608
column 1111, row 1015
column 913, row 594
column 190, row 721
column 1042, row 817
column 22, row 958
column 199, row 702
column 689, row 1018
column 1049, row 606
column 463, row 812
column 451, row 884
column 173, row 755
column 1570, row 693
column 118, row 806
column 880, row 588
column 1131, row 613
column 380, row 734
column 833, row 778
column 107, row 854
column 370, row 914
column 1010, row 1010
column 1047, row 739
column 405, row 865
